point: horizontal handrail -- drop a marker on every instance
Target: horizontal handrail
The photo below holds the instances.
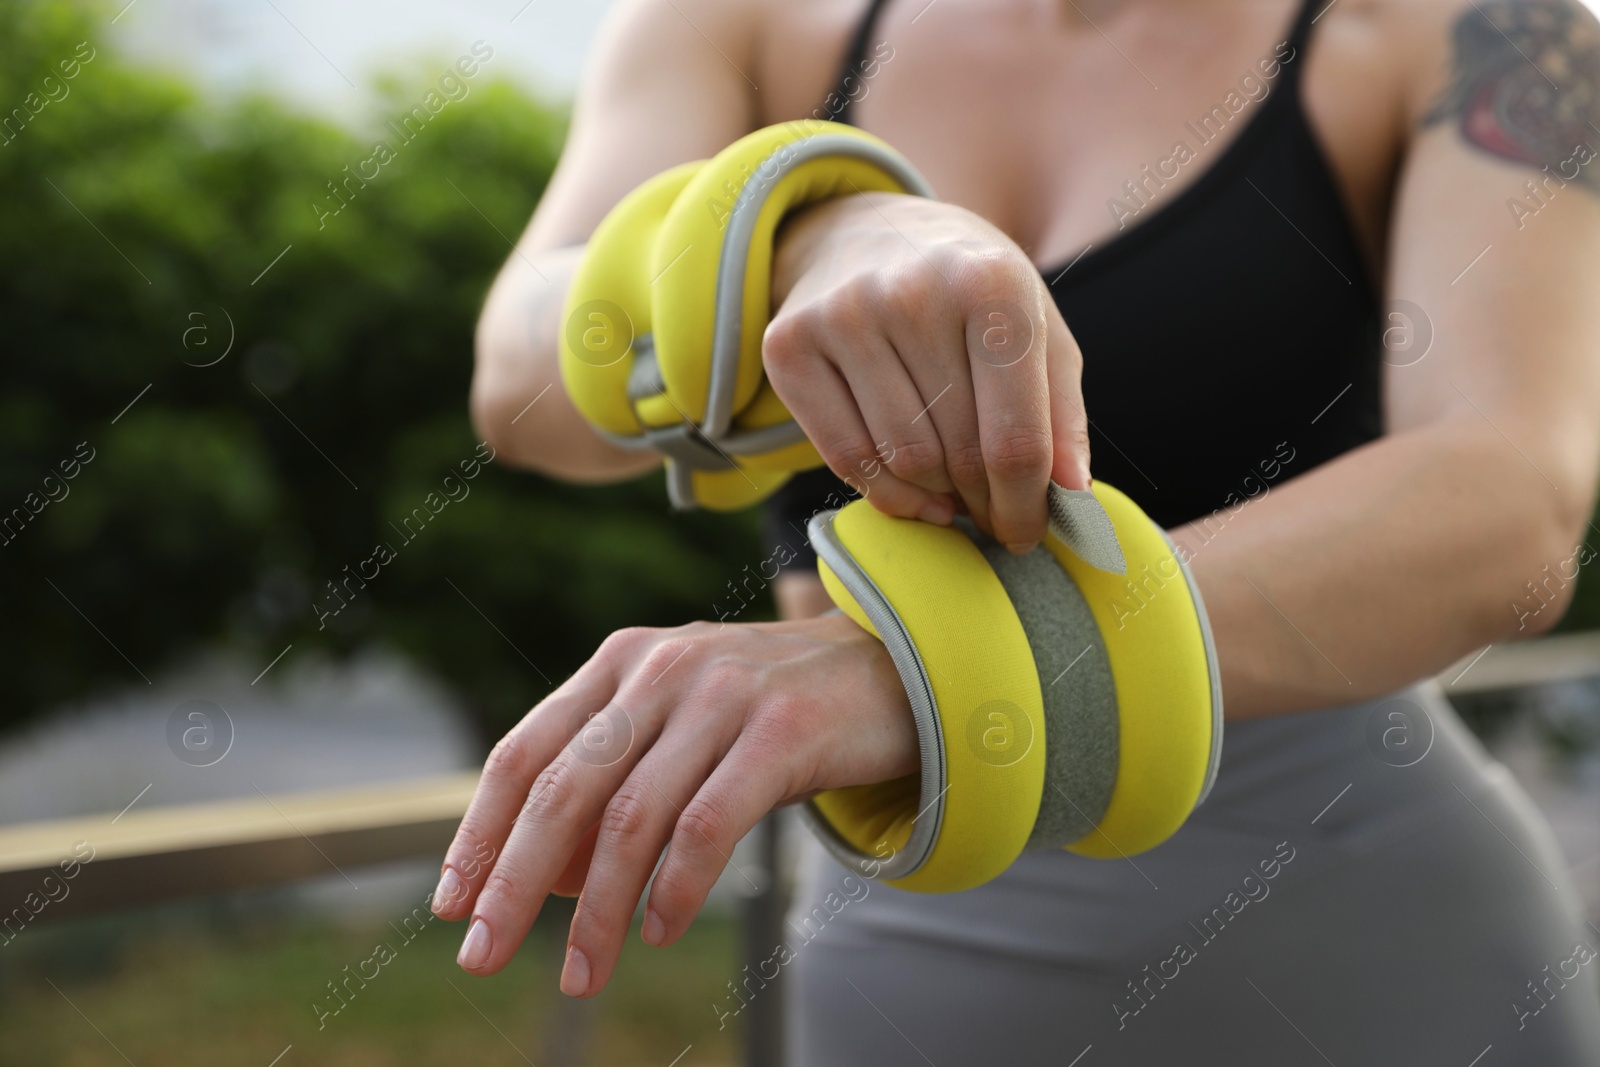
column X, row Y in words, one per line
column 163, row 853
column 157, row 854
column 1540, row 661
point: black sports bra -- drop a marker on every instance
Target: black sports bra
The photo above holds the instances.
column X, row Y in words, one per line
column 1230, row 335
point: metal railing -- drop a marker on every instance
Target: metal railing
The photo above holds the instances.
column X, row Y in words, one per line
column 161, row 854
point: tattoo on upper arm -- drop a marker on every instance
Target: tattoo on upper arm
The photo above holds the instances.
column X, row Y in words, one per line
column 1526, row 85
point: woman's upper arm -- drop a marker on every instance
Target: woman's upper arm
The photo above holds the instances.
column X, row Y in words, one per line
column 667, row 81
column 1495, row 246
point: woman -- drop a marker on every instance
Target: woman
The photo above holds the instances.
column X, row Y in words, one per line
column 1324, row 271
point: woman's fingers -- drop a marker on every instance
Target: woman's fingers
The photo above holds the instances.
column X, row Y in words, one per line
column 938, row 365
column 739, row 704
column 828, row 412
column 1069, row 420
column 567, row 797
column 570, row 882
column 895, row 412
column 509, row 773
column 749, row 782
column 924, row 383
column 570, row 795
column 636, row 826
column 884, row 341
column 887, row 288
column 1006, row 345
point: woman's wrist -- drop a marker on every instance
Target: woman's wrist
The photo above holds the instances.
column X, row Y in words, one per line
column 803, row 236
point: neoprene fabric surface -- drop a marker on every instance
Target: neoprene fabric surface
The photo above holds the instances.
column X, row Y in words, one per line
column 1080, row 698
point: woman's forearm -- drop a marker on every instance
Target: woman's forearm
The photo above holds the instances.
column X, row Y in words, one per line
column 1381, row 567
column 519, row 404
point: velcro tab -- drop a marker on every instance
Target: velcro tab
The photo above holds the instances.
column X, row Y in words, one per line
column 1080, row 522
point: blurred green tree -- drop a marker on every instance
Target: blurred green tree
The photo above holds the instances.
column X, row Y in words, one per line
column 139, row 225
column 146, row 231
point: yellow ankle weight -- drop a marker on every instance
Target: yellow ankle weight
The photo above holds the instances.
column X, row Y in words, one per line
column 927, row 594
column 661, row 346
column 1006, row 747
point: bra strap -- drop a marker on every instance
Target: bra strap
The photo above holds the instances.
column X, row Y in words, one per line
column 851, row 67
column 1300, row 32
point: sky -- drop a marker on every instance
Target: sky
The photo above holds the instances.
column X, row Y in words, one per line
column 322, row 54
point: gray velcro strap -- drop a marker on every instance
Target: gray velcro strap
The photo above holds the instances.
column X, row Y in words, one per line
column 1079, row 521
column 1080, row 695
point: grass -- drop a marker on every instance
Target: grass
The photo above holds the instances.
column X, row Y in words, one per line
column 224, row 982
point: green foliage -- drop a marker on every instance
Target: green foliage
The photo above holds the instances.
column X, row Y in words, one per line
column 138, row 222
column 235, row 980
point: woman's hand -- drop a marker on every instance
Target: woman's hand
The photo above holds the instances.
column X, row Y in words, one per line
column 919, row 349
column 685, row 737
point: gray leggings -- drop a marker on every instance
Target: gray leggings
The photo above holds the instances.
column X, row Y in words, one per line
column 1364, row 886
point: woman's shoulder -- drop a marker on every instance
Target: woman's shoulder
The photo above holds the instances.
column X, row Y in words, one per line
column 1441, row 48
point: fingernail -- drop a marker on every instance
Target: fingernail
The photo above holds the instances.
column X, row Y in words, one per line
column 475, row 949
column 655, row 931
column 1022, row 549
column 575, row 975
column 939, row 512
column 449, row 892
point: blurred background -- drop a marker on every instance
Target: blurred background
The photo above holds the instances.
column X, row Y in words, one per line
column 255, row 384
column 255, row 375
